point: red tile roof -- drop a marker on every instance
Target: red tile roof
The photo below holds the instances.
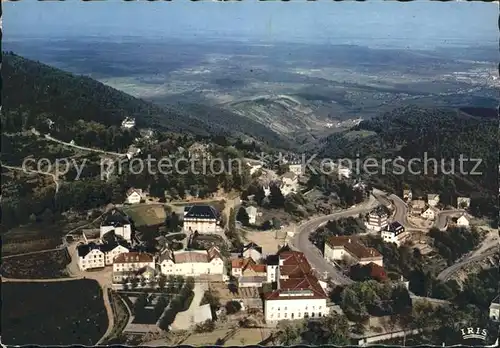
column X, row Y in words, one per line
column 134, row 257
column 353, row 246
column 291, row 289
column 294, row 264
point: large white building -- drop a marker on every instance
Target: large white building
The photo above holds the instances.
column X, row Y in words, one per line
column 395, row 233
column 201, row 218
column 349, row 248
column 118, row 222
column 192, row 262
column 298, row 295
column 252, row 214
column 94, row 255
column 131, row 263
column 377, row 219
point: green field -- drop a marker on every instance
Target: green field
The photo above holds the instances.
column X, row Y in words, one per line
column 146, row 214
column 53, row 313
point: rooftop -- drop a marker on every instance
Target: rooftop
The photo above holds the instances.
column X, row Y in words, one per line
column 115, row 218
column 307, row 287
column 200, row 212
column 395, row 227
column 353, row 246
column 294, row 264
column 378, row 212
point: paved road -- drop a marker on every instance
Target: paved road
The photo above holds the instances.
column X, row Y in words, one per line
column 314, row 256
column 448, row 272
column 443, row 216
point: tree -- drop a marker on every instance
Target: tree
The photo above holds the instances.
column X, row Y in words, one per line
column 276, row 198
column 140, row 303
column 243, row 217
column 160, row 305
column 233, row 307
column 162, row 282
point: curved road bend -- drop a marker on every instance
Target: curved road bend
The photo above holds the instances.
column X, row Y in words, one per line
column 301, row 240
column 448, row 272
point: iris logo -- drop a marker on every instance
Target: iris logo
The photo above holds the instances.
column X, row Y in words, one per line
column 474, row 333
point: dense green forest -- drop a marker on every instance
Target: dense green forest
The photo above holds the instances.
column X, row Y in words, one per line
column 442, row 134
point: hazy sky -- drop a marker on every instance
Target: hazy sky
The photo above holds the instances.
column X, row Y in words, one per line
column 414, row 24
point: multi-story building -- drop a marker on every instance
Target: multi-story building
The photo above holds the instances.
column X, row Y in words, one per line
column 192, row 262
column 298, row 295
column 395, row 233
column 119, row 223
column 201, row 218
column 377, row 219
column 128, row 123
column 296, row 168
column 111, row 251
column 130, row 263
column 429, row 214
column 90, row 256
column 349, row 248
column 253, row 251
column 432, row 199
column 134, row 196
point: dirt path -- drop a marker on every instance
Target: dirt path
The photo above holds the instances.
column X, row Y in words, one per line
column 32, row 171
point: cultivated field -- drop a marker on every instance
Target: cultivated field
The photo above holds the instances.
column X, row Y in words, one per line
column 44, row 265
column 146, row 214
column 53, row 313
column 31, row 238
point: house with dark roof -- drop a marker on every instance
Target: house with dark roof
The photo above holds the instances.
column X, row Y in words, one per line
column 201, row 218
column 117, row 221
column 395, row 233
column 298, row 295
column 377, row 219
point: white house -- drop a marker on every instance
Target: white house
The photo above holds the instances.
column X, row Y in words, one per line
column 377, row 219
column 111, row 251
column 289, row 183
column 463, row 202
column 342, row 247
column 395, row 233
column 295, row 168
column 90, row 256
column 432, row 199
column 118, row 222
column 252, row 214
column 192, row 263
column 462, row 221
column 201, row 218
column 134, row 196
column 495, row 309
column 131, row 262
column 128, row 123
column 429, row 214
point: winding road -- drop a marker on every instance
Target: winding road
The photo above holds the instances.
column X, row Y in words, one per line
column 301, row 241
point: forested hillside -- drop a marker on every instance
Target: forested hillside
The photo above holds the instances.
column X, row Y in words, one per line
column 43, row 92
column 443, row 134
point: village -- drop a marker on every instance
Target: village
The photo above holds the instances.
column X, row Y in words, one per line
column 259, row 284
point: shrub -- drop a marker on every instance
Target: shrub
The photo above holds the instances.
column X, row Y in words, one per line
column 233, row 307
